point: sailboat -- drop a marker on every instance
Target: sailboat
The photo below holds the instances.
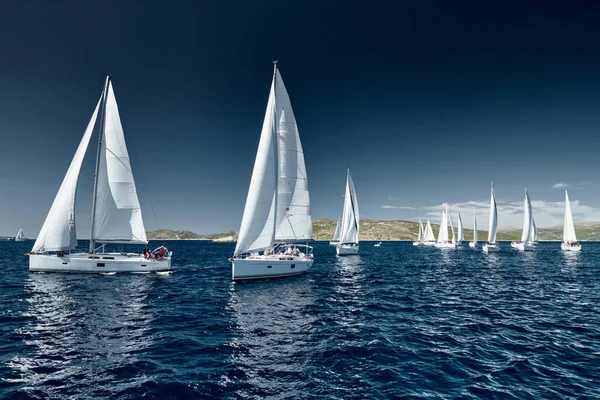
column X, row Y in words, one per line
column 526, row 242
column 350, row 221
column 428, row 236
column 336, row 235
column 473, row 243
column 420, row 235
column 461, row 234
column 20, row 236
column 116, row 212
column 277, row 211
column 492, row 245
column 378, row 244
column 569, row 241
column 443, row 241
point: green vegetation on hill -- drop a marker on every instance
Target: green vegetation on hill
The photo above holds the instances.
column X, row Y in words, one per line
column 370, row 229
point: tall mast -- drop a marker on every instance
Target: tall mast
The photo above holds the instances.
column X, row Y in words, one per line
column 276, row 143
column 99, row 153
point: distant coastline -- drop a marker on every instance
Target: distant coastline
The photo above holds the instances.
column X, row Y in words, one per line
column 396, row 230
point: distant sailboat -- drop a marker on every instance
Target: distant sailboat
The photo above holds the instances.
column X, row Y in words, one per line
column 20, row 236
column 527, row 236
column 116, row 212
column 443, row 241
column 428, row 236
column 348, row 244
column 420, row 235
column 461, row 234
column 474, row 242
column 277, row 211
column 569, row 241
column 337, row 234
column 378, row 244
column 491, row 245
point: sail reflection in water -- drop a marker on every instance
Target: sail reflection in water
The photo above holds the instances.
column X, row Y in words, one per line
column 272, row 339
column 83, row 333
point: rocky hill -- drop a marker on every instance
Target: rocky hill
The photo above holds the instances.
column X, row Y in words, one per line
column 370, row 229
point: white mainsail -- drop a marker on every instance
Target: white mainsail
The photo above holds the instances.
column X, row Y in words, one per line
column 428, row 236
column 20, row 235
column 443, row 233
column 461, row 234
column 294, row 220
column 350, row 215
column 257, row 231
column 533, row 230
column 474, row 227
column 568, row 226
column 338, row 231
column 118, row 215
column 420, row 234
column 493, row 224
column 58, row 232
column 526, row 236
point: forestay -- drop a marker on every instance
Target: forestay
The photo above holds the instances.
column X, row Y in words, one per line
column 58, row 232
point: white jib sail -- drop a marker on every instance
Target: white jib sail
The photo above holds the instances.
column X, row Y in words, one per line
column 461, row 234
column 294, row 220
column 118, row 216
column 58, row 231
column 493, row 224
column 257, row 231
column 474, row 227
column 428, row 236
column 350, row 215
column 338, row 231
column 20, row 234
column 451, row 228
column 443, row 233
column 568, row 226
column 420, row 234
column 526, row 236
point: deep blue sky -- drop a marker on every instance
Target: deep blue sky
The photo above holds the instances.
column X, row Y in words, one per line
column 425, row 101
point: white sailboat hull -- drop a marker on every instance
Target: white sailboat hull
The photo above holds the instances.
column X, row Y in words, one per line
column 445, row 245
column 429, row 243
column 271, row 266
column 417, row 243
column 490, row 248
column 522, row 246
column 570, row 247
column 334, row 243
column 472, row 244
column 97, row 263
column 20, row 239
column 346, row 250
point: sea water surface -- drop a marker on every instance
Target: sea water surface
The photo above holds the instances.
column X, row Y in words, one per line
column 394, row 321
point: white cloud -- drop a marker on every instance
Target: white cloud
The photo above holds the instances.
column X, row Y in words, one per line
column 398, row 207
column 576, row 185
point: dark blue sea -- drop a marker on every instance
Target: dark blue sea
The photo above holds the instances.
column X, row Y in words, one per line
column 394, row 322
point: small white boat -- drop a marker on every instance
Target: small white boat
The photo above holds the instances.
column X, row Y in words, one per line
column 492, row 246
column 378, row 244
column 526, row 243
column 569, row 241
column 277, row 211
column 336, row 235
column 20, row 236
column 420, row 235
column 443, row 242
column 350, row 221
column 116, row 212
column 428, row 236
column 473, row 243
